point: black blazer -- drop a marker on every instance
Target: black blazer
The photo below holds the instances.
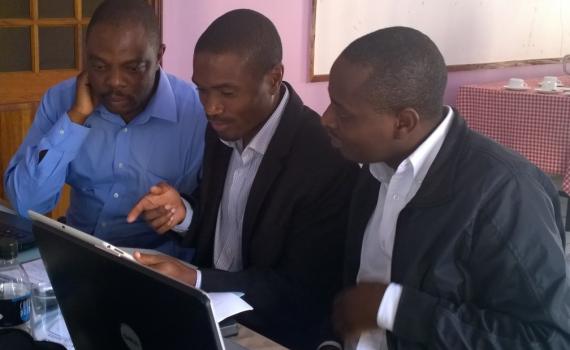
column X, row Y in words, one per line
column 478, row 251
column 293, row 230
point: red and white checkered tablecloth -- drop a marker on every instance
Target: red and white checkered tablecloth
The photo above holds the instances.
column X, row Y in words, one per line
column 534, row 124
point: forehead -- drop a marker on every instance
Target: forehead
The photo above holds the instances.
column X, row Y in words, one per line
column 213, row 69
column 118, row 40
column 346, row 82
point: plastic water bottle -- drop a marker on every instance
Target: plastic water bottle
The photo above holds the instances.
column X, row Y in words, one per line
column 15, row 288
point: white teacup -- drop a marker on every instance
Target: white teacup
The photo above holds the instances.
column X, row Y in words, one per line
column 549, row 85
column 549, row 78
column 517, row 83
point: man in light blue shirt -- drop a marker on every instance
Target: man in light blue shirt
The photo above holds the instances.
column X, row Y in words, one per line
column 120, row 127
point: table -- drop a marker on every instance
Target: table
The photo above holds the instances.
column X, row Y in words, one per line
column 535, row 125
column 254, row 341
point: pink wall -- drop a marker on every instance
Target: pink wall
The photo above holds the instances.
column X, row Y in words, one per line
column 292, row 19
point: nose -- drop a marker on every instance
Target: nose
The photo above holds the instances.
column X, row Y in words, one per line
column 115, row 78
column 212, row 106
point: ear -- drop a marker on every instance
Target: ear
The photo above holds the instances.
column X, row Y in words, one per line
column 406, row 122
column 160, row 53
column 275, row 77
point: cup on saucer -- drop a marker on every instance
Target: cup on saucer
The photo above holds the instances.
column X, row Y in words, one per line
column 550, row 80
column 549, row 85
column 516, row 84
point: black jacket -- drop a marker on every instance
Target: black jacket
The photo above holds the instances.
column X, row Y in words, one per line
column 293, row 228
column 478, row 251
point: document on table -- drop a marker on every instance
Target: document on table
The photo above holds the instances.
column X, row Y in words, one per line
column 225, row 305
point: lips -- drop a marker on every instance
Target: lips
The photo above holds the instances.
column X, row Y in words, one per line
column 219, row 124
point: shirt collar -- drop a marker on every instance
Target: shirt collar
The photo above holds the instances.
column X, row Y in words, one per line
column 421, row 159
column 260, row 141
column 162, row 104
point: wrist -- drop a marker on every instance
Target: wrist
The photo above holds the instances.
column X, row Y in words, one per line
column 77, row 116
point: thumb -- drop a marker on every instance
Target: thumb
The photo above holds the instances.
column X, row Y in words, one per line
column 147, row 259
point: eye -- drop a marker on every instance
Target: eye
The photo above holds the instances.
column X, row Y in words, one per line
column 227, row 93
column 98, row 67
column 136, row 68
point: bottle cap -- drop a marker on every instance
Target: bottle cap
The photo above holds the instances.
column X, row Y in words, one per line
column 8, row 248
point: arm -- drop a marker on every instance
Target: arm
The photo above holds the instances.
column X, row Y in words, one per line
column 516, row 293
column 310, row 245
column 37, row 172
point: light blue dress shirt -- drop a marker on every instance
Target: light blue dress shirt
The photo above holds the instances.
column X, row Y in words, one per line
column 109, row 164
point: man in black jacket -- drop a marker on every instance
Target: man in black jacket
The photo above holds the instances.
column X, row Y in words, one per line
column 269, row 218
column 454, row 241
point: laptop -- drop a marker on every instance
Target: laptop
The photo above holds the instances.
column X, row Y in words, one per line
column 109, row 301
column 18, row 228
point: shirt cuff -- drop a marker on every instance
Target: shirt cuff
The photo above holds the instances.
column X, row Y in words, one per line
column 389, row 307
column 198, row 279
column 182, row 227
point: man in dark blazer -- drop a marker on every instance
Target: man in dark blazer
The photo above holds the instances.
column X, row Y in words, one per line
column 269, row 218
column 454, row 241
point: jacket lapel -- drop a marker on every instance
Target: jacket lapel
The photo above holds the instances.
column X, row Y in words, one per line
column 271, row 166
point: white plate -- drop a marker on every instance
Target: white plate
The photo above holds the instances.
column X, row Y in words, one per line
column 539, row 90
column 520, row 88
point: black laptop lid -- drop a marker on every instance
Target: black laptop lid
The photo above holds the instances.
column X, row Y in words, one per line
column 108, row 302
column 18, row 228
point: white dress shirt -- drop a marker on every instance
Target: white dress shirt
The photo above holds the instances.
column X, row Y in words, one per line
column 396, row 190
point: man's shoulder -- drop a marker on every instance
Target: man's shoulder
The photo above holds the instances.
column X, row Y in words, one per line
column 63, row 88
column 180, row 87
column 60, row 95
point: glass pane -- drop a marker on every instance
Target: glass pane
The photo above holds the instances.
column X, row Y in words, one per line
column 14, row 9
column 89, row 7
column 15, row 47
column 57, row 47
column 55, row 8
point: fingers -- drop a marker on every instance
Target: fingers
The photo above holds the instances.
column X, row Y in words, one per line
column 162, row 208
column 151, row 259
column 168, row 266
column 146, row 203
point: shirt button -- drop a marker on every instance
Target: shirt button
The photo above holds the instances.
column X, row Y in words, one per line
column 104, row 224
column 395, row 197
column 120, row 165
column 61, row 131
column 125, row 129
column 116, row 195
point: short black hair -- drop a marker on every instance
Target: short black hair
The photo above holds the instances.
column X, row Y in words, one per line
column 246, row 33
column 407, row 70
column 121, row 12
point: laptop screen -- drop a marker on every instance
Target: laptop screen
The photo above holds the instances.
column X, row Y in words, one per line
column 109, row 302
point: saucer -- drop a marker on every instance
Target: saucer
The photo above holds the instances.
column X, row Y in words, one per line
column 558, row 84
column 541, row 91
column 516, row 88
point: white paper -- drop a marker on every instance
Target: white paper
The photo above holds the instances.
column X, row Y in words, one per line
column 36, row 271
column 225, row 305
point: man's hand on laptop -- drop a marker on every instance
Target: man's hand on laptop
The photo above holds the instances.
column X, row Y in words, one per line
column 162, row 208
column 168, row 266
